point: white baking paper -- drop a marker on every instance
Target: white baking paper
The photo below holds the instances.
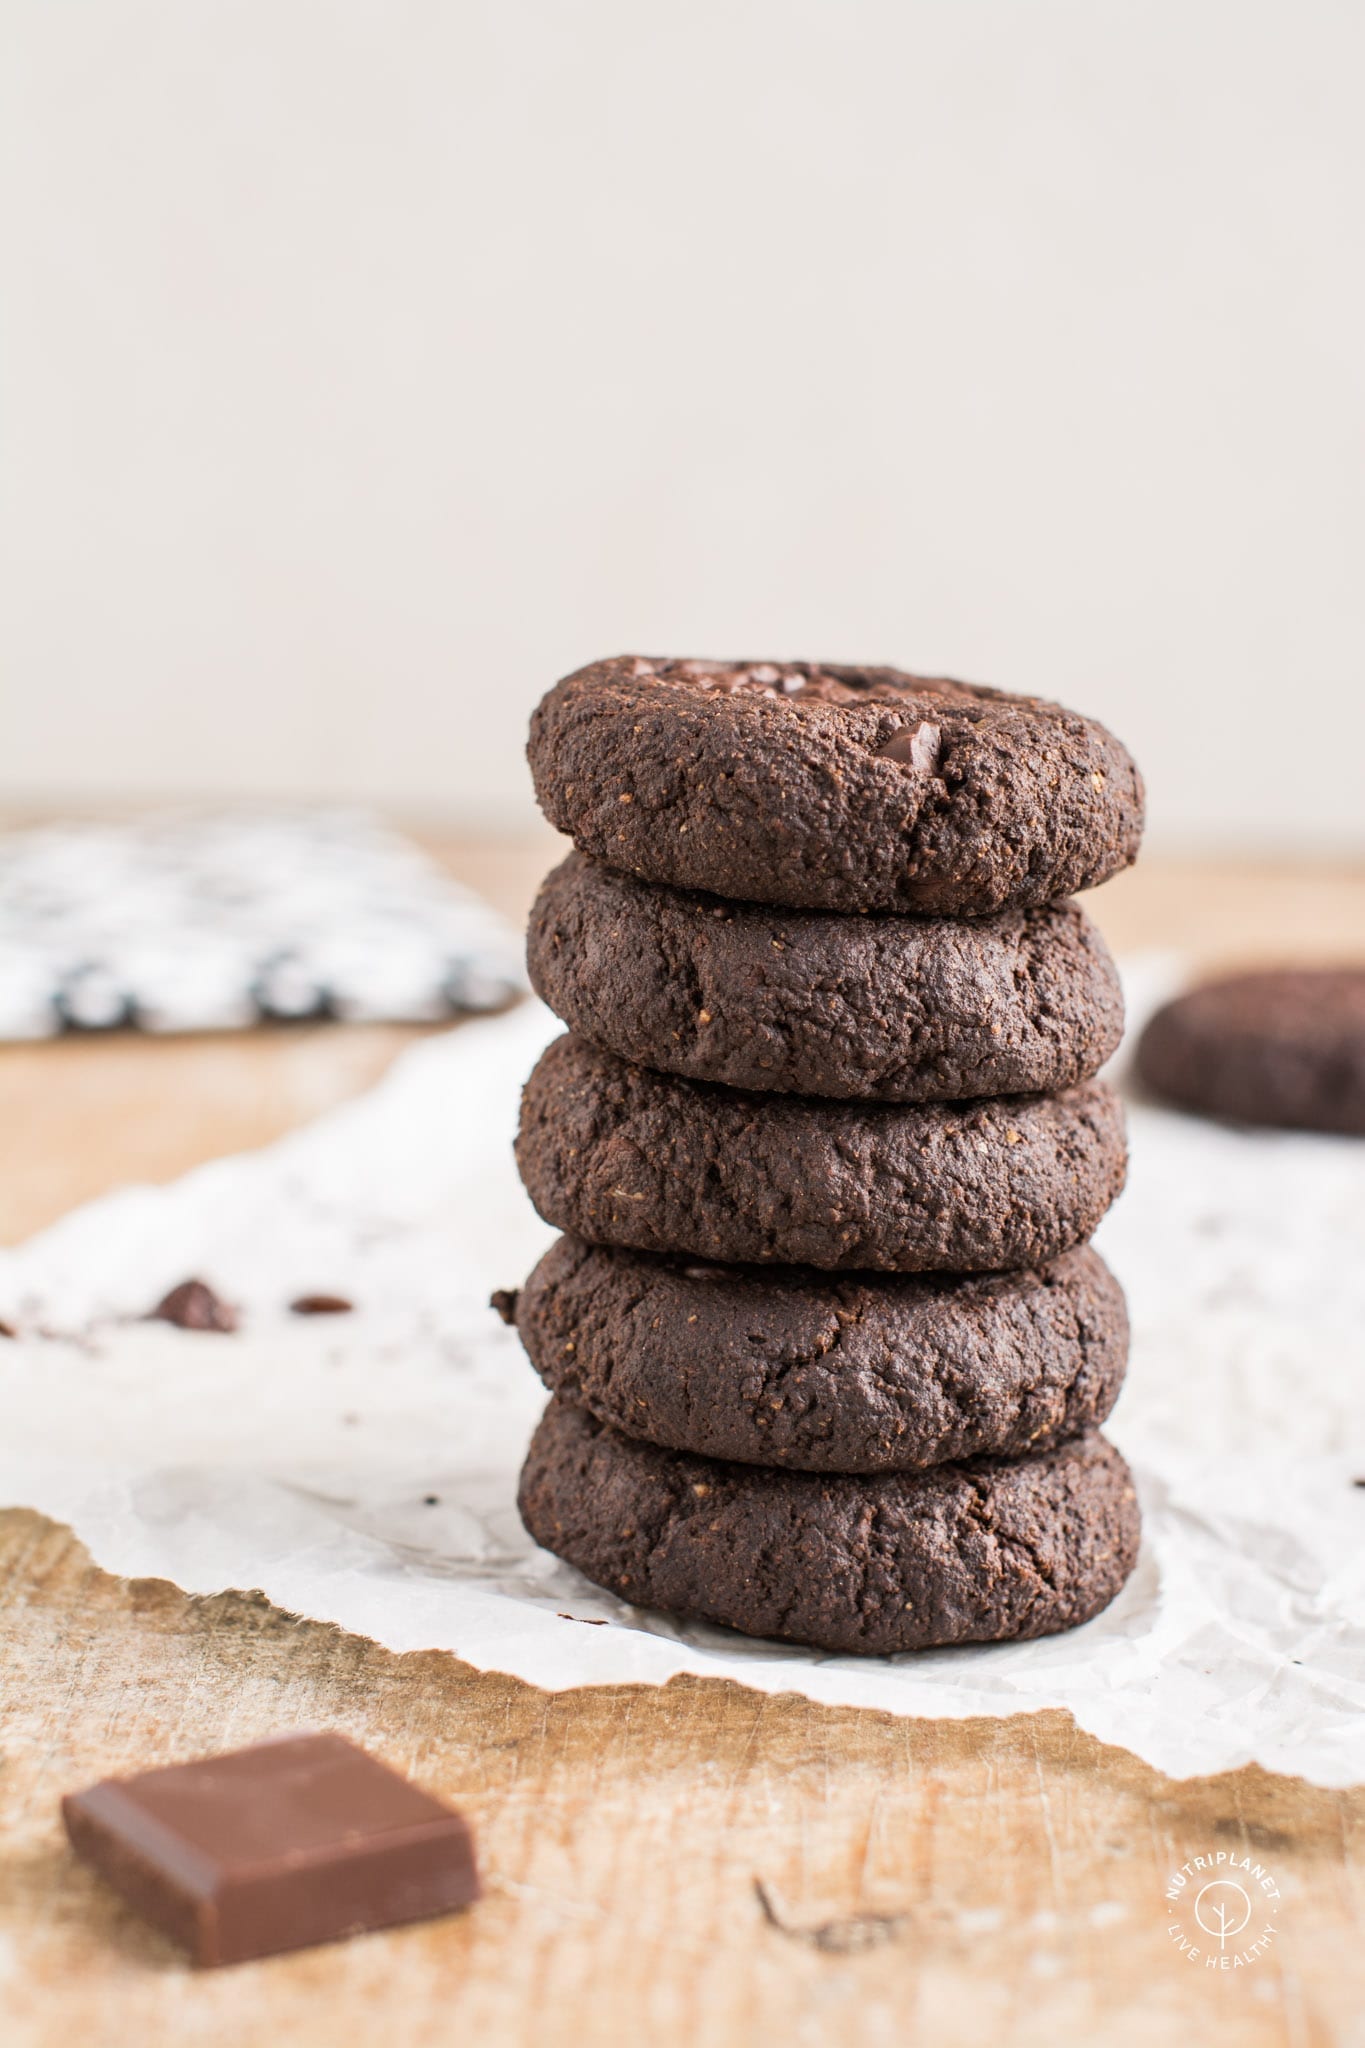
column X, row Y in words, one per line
column 362, row 1469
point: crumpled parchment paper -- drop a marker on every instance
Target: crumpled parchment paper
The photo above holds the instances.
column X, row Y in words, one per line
column 362, row 1469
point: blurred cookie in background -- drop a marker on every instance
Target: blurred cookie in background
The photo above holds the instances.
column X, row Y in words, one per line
column 1279, row 1046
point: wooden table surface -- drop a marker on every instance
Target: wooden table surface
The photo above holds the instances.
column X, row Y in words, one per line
column 694, row 1863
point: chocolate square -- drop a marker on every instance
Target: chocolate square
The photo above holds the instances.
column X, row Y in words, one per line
column 294, row 1841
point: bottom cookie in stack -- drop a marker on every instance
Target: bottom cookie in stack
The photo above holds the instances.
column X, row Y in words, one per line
column 977, row 1552
column 857, row 1463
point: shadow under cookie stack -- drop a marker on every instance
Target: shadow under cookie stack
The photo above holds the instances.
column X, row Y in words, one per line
column 827, row 1345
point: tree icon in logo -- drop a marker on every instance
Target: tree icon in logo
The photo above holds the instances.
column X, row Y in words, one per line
column 1222, row 1909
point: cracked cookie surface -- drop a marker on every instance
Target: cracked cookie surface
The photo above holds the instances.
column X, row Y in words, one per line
column 979, row 1552
column 890, row 1009
column 833, row 788
column 813, row 1372
column 617, row 1155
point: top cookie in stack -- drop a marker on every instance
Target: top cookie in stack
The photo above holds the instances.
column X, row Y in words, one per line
column 823, row 788
column 889, row 1074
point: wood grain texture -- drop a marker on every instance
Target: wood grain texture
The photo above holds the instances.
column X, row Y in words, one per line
column 952, row 1882
column 991, row 1880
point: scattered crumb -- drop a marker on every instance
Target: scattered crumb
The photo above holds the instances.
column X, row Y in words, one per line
column 504, row 1300
column 321, row 1305
column 193, row 1305
column 8, row 1330
column 587, row 1620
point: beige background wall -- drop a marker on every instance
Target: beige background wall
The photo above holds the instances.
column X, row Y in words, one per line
column 368, row 363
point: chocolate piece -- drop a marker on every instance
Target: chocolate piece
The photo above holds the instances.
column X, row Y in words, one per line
column 294, row 1841
column 916, row 745
column 321, row 1305
column 194, row 1306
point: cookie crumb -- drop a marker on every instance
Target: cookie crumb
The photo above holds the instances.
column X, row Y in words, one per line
column 321, row 1305
column 504, row 1300
column 8, row 1330
column 193, row 1305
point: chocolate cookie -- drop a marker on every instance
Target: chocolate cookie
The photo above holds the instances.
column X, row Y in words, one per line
column 980, row 1552
column 833, row 788
column 890, row 1009
column 783, row 1366
column 1280, row 1047
column 617, row 1155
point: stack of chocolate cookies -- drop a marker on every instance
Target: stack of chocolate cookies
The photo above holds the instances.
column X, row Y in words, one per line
column 827, row 1347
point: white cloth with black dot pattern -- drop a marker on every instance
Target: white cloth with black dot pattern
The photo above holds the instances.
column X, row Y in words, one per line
column 216, row 922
